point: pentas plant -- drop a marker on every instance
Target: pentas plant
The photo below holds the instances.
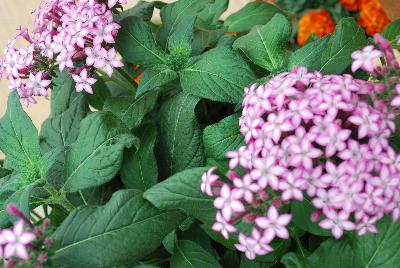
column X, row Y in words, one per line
column 176, row 166
column 77, row 35
column 321, row 137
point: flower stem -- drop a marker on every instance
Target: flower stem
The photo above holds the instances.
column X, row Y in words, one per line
column 128, row 87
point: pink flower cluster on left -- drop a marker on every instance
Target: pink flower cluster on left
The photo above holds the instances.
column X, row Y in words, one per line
column 74, row 34
column 22, row 246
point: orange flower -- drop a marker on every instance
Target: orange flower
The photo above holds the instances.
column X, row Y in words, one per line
column 350, row 5
column 372, row 16
column 318, row 22
column 139, row 77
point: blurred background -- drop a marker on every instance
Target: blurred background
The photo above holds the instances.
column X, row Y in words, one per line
column 14, row 13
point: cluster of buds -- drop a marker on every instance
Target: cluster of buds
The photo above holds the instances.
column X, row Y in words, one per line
column 73, row 34
column 21, row 246
column 320, row 137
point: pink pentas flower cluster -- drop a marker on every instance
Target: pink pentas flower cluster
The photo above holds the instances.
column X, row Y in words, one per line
column 22, row 242
column 77, row 35
column 314, row 136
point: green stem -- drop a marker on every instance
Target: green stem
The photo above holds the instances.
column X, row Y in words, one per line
column 58, row 198
column 123, row 73
column 131, row 86
column 83, row 198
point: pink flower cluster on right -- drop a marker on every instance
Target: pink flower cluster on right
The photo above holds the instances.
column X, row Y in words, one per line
column 320, row 137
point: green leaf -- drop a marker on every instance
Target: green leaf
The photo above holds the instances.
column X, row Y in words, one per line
column 210, row 15
column 169, row 241
column 310, row 55
column 21, row 198
column 222, row 137
column 63, row 129
column 175, row 16
column 136, row 44
column 121, row 232
column 63, row 93
column 182, row 191
column 292, row 260
column 180, row 41
column 52, row 167
column 96, row 156
column 220, row 75
column 301, row 217
column 139, row 167
column 380, row 250
column 348, row 37
column 180, row 146
column 19, row 140
column 131, row 110
column 203, row 38
column 266, row 45
column 252, row 14
column 8, row 186
column 196, row 234
column 332, row 254
column 154, row 77
column 392, row 32
column 190, row 254
column 143, row 10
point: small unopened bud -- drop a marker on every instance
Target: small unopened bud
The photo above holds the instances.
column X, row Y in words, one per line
column 315, row 215
column 13, row 210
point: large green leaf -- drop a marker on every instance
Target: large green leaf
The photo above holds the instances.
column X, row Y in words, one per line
column 139, row 167
column 190, row 254
column 266, row 45
column 121, row 232
column 63, row 129
column 136, row 44
column 348, row 37
column 222, row 137
column 68, row 108
column 19, row 140
column 131, row 110
column 379, row 250
column 143, row 10
column 96, row 156
column 310, row 55
column 220, row 75
column 256, row 13
column 154, row 77
column 182, row 191
column 176, row 16
column 333, row 254
column 180, row 145
column 392, row 32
